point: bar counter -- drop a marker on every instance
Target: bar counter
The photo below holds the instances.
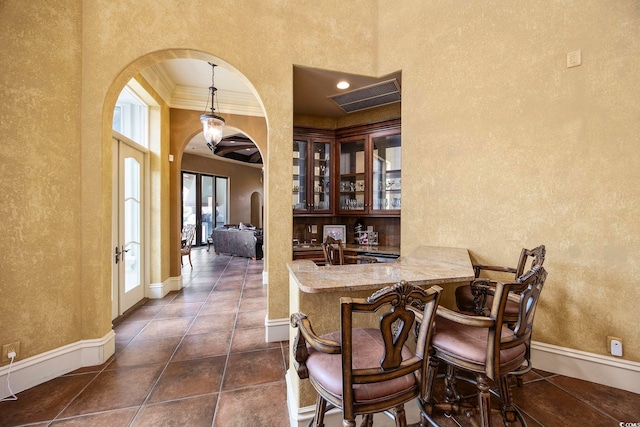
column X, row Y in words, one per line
column 316, row 291
column 427, row 265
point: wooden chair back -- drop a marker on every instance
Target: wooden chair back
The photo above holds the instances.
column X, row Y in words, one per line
column 333, row 252
column 405, row 304
column 526, row 291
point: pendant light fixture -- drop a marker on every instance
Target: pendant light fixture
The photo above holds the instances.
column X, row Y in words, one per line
column 212, row 124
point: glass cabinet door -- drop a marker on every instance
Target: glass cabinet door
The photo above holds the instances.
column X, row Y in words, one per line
column 386, row 177
column 321, row 174
column 299, row 200
column 352, row 186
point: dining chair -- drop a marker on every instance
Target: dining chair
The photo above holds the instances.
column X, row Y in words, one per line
column 487, row 347
column 187, row 238
column 334, row 254
column 477, row 298
column 365, row 370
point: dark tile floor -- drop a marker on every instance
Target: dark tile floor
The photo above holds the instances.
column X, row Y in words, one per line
column 198, row 358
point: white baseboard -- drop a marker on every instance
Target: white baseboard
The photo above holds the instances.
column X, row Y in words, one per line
column 265, row 278
column 43, row 367
column 159, row 290
column 276, row 330
column 606, row 370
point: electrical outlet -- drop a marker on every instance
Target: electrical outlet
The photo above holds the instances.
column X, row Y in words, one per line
column 614, row 344
column 8, row 348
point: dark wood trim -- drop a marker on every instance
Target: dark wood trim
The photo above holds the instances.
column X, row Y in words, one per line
column 392, row 124
column 307, row 132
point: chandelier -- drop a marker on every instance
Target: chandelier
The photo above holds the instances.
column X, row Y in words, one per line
column 212, row 124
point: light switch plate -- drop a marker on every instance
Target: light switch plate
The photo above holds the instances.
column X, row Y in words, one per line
column 574, row 58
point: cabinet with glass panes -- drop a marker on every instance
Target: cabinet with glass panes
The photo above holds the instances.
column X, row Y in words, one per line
column 369, row 173
column 312, row 174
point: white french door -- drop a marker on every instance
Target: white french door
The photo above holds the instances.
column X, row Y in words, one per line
column 128, row 227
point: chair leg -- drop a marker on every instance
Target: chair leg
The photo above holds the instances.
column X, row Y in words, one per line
column 484, row 400
column 367, row 420
column 509, row 413
column 451, row 385
column 401, row 418
column 190, row 259
column 321, row 407
column 427, row 403
column 519, row 380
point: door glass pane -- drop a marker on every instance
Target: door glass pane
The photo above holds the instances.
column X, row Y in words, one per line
column 130, row 116
column 321, row 173
column 207, row 209
column 222, row 201
column 299, row 200
column 132, row 222
column 188, row 199
column 352, row 175
column 387, row 165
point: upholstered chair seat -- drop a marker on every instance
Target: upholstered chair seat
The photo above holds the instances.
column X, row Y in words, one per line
column 368, row 345
column 470, row 343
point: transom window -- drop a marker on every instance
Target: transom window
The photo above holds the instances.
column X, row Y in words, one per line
column 131, row 116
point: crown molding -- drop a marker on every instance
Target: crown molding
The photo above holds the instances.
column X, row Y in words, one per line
column 159, row 81
column 194, row 98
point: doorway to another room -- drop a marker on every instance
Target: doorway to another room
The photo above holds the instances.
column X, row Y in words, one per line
column 205, row 203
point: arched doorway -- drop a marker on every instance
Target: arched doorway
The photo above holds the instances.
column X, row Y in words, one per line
column 179, row 125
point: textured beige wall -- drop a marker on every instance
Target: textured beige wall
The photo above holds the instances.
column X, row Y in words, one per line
column 505, row 147
column 41, row 290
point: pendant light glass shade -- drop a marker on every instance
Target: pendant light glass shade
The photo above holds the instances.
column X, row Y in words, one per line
column 212, row 124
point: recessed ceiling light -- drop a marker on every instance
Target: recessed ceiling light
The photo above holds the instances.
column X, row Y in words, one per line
column 343, row 85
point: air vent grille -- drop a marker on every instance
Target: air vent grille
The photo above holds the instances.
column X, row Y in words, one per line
column 382, row 93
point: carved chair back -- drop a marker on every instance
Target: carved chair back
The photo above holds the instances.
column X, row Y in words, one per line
column 378, row 371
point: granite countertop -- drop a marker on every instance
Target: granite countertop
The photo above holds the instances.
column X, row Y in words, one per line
column 426, row 266
column 374, row 249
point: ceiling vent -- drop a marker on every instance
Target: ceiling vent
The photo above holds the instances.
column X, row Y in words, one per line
column 382, row 93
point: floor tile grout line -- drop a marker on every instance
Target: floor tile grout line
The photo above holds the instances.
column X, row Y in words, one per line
column 155, row 384
column 226, row 361
column 583, row 400
column 96, row 374
column 105, row 411
column 55, row 418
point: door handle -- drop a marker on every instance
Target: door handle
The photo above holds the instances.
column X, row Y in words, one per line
column 119, row 254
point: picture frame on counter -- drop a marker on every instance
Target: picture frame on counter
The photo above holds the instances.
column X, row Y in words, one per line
column 338, row 232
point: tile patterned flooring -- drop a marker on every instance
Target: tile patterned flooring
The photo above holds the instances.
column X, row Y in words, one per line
column 198, row 358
